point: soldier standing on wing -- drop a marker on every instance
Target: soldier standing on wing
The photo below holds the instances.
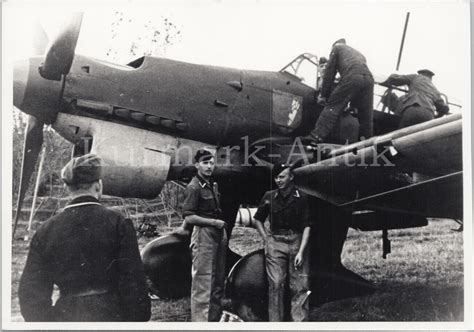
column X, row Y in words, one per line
column 356, row 86
column 423, row 101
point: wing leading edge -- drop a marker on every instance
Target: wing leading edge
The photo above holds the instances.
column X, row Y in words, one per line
column 414, row 170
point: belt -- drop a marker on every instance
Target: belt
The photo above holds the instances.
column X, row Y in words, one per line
column 85, row 292
column 285, row 232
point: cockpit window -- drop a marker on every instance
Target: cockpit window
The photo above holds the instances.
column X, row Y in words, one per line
column 137, row 62
column 305, row 68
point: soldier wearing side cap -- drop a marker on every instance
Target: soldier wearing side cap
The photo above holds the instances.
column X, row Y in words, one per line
column 286, row 245
column 90, row 253
column 423, row 101
column 208, row 241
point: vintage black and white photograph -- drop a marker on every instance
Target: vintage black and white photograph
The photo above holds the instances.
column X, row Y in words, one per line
column 233, row 164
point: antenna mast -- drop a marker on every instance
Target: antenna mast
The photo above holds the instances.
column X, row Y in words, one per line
column 403, row 41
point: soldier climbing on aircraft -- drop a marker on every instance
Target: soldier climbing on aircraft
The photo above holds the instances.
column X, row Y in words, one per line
column 423, row 101
column 356, row 86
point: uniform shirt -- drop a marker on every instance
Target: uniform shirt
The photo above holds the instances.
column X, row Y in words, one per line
column 86, row 246
column 345, row 60
column 421, row 91
column 201, row 198
column 286, row 213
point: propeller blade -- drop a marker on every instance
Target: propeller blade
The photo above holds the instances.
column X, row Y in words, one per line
column 31, row 150
column 60, row 55
column 40, row 39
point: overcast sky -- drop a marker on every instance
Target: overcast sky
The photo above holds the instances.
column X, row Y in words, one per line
column 266, row 35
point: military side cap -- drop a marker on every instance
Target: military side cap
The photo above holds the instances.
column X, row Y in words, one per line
column 426, row 72
column 297, row 163
column 339, row 41
column 83, row 169
column 278, row 168
column 203, row 155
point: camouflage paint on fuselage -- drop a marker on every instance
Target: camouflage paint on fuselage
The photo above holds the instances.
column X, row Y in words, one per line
column 199, row 96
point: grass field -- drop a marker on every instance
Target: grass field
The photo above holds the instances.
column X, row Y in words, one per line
column 421, row 280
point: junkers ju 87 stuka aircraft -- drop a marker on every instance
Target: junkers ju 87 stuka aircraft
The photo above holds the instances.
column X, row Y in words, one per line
column 147, row 118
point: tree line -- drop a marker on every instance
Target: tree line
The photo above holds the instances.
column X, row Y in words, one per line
column 129, row 37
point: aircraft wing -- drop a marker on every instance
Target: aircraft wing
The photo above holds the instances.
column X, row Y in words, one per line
column 415, row 170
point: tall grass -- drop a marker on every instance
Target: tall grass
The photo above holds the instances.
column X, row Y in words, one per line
column 421, row 280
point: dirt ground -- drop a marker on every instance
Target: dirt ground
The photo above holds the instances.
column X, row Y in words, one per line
column 421, row 280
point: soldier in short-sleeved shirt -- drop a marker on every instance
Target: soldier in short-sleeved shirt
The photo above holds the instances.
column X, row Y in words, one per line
column 208, row 241
column 202, row 198
column 286, row 252
column 285, row 213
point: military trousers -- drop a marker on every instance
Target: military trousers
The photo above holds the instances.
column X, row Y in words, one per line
column 208, row 250
column 280, row 253
column 358, row 89
column 415, row 114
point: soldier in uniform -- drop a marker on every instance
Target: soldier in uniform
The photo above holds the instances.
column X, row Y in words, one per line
column 356, row 86
column 423, row 101
column 286, row 252
column 90, row 253
column 208, row 241
column 323, row 62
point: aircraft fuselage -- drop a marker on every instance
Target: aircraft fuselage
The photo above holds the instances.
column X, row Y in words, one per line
column 203, row 103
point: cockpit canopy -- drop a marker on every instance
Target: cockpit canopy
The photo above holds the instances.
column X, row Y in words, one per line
column 309, row 69
column 305, row 68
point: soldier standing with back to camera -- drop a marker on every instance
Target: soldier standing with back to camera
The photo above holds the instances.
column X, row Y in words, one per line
column 90, row 253
column 286, row 252
column 208, row 241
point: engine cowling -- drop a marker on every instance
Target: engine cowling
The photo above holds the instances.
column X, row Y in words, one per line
column 136, row 161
